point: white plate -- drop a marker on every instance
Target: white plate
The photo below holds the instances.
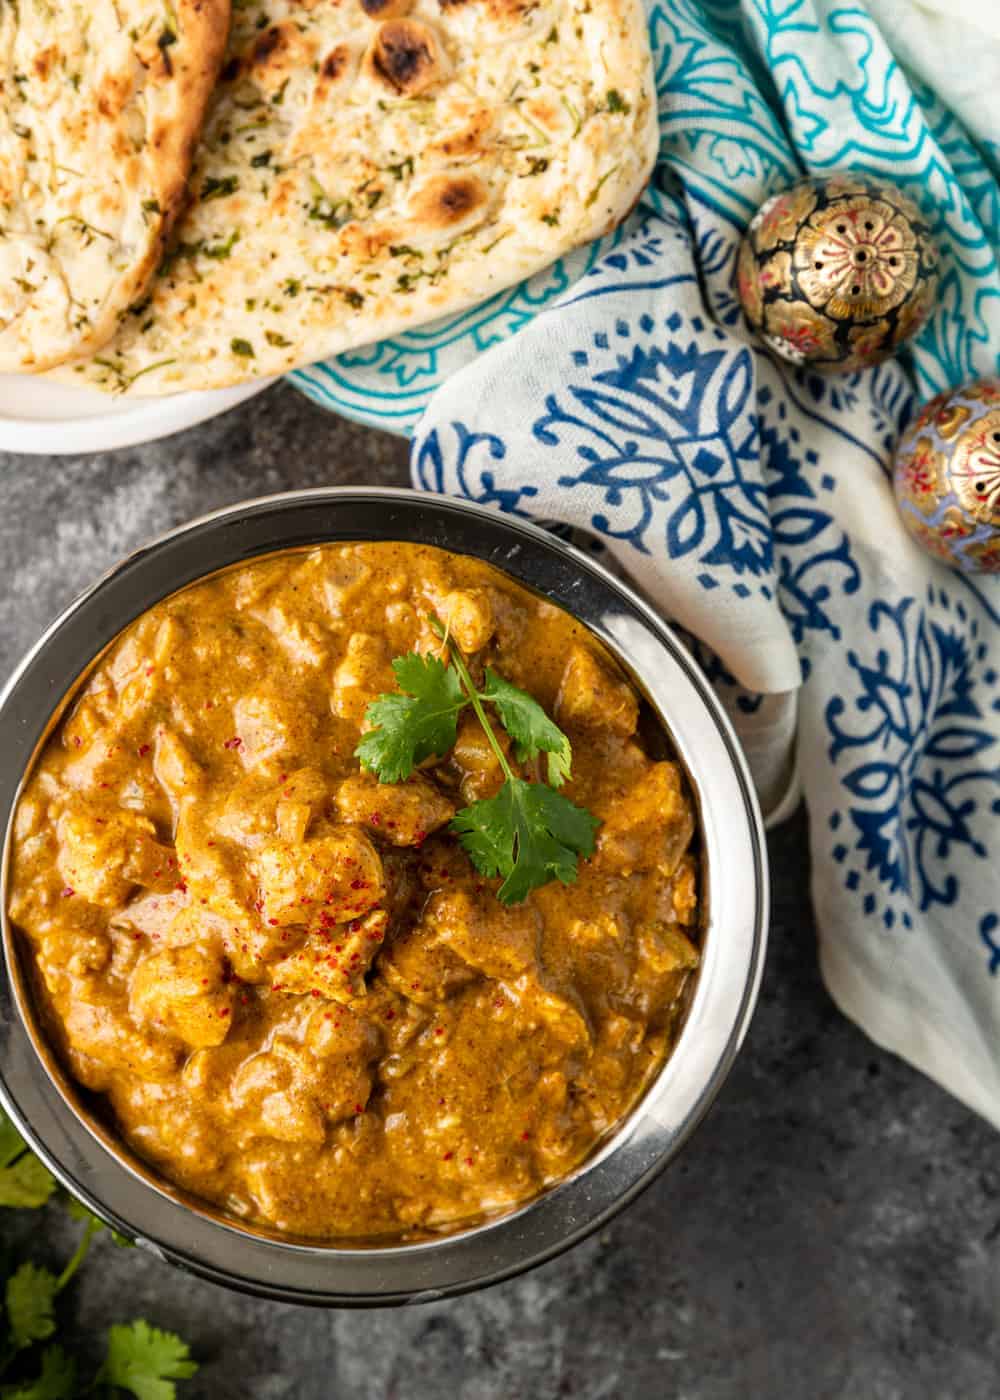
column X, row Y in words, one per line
column 40, row 416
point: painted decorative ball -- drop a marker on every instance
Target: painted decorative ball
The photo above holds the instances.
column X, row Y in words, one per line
column 947, row 477
column 837, row 272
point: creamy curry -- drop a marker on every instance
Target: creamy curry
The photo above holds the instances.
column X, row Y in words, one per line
column 298, row 997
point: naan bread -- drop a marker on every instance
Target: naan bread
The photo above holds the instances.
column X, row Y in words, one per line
column 373, row 164
column 101, row 102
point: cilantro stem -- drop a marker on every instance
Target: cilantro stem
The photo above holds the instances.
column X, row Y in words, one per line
column 458, row 661
column 79, row 1254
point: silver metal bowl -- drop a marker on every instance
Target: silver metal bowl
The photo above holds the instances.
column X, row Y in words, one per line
column 100, row 1171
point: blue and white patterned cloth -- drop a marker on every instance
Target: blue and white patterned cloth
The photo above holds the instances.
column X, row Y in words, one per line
column 752, row 501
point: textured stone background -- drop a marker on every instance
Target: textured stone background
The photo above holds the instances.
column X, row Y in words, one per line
column 830, row 1234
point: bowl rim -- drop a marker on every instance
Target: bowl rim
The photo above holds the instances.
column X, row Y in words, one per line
column 175, row 1226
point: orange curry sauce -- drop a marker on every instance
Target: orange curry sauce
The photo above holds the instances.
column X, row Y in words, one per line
column 298, row 996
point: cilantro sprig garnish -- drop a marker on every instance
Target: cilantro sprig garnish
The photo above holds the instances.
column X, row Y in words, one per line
column 140, row 1360
column 528, row 833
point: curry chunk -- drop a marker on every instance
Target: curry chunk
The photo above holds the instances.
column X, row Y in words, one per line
column 187, row 992
column 271, row 729
column 497, row 940
column 476, row 761
column 333, row 960
column 401, row 813
column 468, row 615
column 592, row 697
column 364, row 673
column 73, row 952
column 649, row 826
column 665, row 960
column 339, row 874
column 104, row 855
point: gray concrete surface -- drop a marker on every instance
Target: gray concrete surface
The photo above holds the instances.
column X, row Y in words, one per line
column 830, row 1234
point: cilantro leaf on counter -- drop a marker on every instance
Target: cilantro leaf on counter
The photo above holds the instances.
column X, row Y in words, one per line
column 529, row 726
column 24, row 1181
column 30, row 1299
column 146, row 1361
column 412, row 725
column 56, row 1381
column 140, row 1358
column 529, row 834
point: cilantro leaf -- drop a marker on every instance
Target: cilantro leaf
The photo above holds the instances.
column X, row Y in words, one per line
column 146, row 1361
column 420, row 721
column 57, row 1380
column 529, row 726
column 528, row 834
column 24, row 1181
column 30, row 1298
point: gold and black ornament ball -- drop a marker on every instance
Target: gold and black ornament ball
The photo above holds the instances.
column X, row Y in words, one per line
column 946, row 476
column 837, row 272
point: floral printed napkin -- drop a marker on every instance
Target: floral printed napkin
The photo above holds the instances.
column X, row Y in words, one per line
column 751, row 500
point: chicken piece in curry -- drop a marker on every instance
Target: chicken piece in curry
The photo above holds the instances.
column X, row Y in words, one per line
column 294, row 991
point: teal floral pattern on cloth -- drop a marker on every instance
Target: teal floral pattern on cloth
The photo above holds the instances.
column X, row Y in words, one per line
column 751, row 500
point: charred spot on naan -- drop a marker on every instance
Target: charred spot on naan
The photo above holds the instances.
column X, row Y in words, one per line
column 386, row 9
column 504, row 12
column 466, row 136
column 406, row 56
column 275, row 56
column 449, row 203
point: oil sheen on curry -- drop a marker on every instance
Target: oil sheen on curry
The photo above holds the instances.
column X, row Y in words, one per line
column 298, row 996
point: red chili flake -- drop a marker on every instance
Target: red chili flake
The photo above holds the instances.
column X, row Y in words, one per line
column 525, row 1136
column 273, row 923
column 234, row 743
column 204, row 981
column 414, row 986
column 224, row 1011
column 447, row 1156
column 209, row 705
column 359, row 884
column 499, row 1003
column 316, row 993
column 419, row 838
column 144, row 750
column 390, row 1015
column 358, row 1108
column 439, row 1030
column 375, row 818
column 104, row 785
column 245, row 999
column 150, row 670
column 181, row 886
column 68, row 892
column 283, row 778
column 77, row 741
column 469, row 1161
column 209, row 843
column 327, row 1015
